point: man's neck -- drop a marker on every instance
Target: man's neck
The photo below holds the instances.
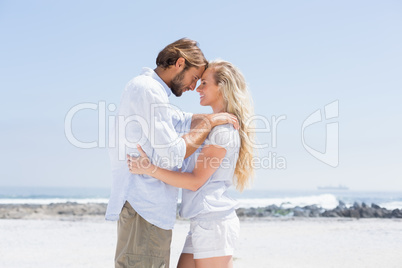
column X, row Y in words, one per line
column 165, row 75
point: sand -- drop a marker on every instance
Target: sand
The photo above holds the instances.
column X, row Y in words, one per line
column 270, row 242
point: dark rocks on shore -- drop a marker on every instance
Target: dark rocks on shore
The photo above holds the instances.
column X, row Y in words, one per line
column 269, row 211
column 71, row 210
column 58, row 210
column 356, row 211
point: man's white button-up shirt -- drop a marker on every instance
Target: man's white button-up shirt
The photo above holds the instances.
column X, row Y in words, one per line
column 145, row 117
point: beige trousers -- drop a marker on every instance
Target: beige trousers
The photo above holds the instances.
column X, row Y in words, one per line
column 139, row 243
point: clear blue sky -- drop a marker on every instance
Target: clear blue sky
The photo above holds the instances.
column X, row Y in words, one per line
column 297, row 56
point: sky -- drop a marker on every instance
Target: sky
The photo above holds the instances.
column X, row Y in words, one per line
column 298, row 57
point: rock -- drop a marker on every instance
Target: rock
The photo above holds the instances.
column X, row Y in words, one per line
column 240, row 212
column 267, row 213
column 378, row 213
column 367, row 212
column 271, row 208
column 354, row 213
column 312, row 207
column 71, row 210
column 357, row 205
column 330, row 213
column 300, row 212
column 341, row 205
column 283, row 212
column 396, row 213
column 375, row 206
column 315, row 213
column 313, row 210
column 251, row 212
column 345, row 212
column 386, row 213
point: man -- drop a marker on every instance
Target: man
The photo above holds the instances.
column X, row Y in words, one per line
column 146, row 207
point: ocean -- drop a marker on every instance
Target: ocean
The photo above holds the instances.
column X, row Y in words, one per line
column 327, row 199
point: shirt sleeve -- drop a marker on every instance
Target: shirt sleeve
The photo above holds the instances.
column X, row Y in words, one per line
column 182, row 121
column 224, row 136
column 157, row 125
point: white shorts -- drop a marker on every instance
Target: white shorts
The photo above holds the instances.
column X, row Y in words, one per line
column 212, row 238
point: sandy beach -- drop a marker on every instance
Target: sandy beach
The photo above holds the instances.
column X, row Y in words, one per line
column 292, row 242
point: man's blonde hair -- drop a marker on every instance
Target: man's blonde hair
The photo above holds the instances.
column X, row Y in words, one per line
column 182, row 48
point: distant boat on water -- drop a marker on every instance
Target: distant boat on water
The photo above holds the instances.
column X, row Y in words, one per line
column 339, row 187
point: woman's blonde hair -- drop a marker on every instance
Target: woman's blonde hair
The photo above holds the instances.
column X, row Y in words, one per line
column 238, row 101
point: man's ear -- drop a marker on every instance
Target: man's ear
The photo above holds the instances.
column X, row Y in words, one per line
column 180, row 63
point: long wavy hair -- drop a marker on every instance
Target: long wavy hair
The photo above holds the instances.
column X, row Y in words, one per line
column 238, row 101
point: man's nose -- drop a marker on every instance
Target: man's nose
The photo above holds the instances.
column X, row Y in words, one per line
column 192, row 86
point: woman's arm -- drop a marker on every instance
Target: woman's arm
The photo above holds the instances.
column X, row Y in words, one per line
column 207, row 163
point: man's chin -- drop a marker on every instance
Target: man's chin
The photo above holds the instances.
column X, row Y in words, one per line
column 177, row 93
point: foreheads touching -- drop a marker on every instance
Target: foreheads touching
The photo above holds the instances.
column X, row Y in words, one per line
column 184, row 62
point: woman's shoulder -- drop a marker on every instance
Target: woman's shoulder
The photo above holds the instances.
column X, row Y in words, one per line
column 226, row 130
column 225, row 136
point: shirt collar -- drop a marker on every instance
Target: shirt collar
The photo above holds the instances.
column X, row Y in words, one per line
column 149, row 72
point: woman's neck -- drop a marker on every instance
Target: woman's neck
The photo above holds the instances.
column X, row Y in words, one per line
column 218, row 108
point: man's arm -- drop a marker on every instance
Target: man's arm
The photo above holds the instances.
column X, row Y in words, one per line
column 151, row 113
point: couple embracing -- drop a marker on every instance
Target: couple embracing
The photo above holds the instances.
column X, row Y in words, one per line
column 166, row 149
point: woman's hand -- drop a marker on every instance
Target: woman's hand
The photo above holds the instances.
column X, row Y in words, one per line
column 141, row 164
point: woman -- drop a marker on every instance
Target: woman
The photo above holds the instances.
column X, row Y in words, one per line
column 208, row 173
